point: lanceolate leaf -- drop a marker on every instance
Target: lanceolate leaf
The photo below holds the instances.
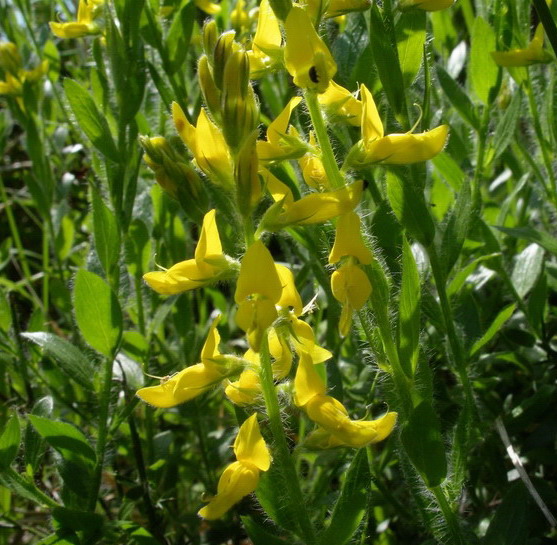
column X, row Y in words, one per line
column 97, row 312
column 92, row 123
column 351, row 505
column 70, row 359
column 9, row 442
column 423, row 443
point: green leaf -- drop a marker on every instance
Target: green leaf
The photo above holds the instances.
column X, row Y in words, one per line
column 385, row 57
column 527, row 268
column 61, row 538
column 510, row 523
column 505, row 129
column 97, row 312
column 422, row 440
column 410, row 36
column 532, row 235
column 70, row 359
column 52, row 55
column 410, row 208
column 138, row 248
column 493, row 329
column 260, row 535
column 33, row 442
column 5, row 313
column 9, row 442
column 409, row 312
column 483, row 70
column 90, row 120
column 65, row 438
column 78, row 521
column 179, row 35
column 458, row 98
column 457, row 227
column 351, row 505
column 107, row 234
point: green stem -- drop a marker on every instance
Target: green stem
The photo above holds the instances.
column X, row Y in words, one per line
column 327, row 155
column 480, row 156
column 281, row 451
column 449, row 516
column 103, row 429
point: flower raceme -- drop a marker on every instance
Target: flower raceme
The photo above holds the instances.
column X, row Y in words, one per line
column 194, row 380
column 393, row 149
column 240, row 478
column 208, row 266
column 532, row 54
column 84, row 24
column 335, row 426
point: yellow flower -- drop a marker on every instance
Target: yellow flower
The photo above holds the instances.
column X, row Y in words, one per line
column 313, row 208
column 208, row 7
column 533, row 53
column 257, row 291
column 206, row 143
column 241, row 477
column 266, row 49
column 10, row 58
column 283, row 141
column 349, row 241
column 11, row 86
column 306, row 57
column 340, row 103
column 312, row 167
column 351, row 288
column 337, row 8
column 84, row 24
column 191, row 381
column 393, row 149
column 246, row 390
column 426, row 5
column 335, row 426
column 209, row 265
column 11, row 63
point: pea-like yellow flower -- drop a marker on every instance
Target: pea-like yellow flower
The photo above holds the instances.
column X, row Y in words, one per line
column 84, row 24
column 340, row 104
column 337, row 8
column 349, row 241
column 426, row 5
column 194, row 380
column 258, row 290
column 246, row 390
column 532, row 54
column 351, row 288
column 266, row 51
column 313, row 208
column 209, row 265
column 283, row 140
column 306, row 57
column 335, row 426
column 207, row 6
column 207, row 144
column 10, row 58
column 393, row 149
column 241, row 477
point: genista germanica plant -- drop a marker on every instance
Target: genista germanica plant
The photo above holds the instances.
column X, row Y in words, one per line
column 297, row 272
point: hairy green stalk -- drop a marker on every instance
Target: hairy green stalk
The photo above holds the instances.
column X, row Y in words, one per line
column 281, row 453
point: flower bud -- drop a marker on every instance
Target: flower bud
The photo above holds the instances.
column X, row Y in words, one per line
column 210, row 38
column 223, row 49
column 248, row 186
column 211, row 94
